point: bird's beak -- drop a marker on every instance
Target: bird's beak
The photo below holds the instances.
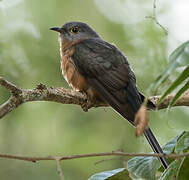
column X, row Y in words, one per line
column 58, row 29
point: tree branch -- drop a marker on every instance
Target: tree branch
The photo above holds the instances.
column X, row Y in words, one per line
column 13, row 89
column 154, row 18
column 64, row 96
column 182, row 101
column 78, row 156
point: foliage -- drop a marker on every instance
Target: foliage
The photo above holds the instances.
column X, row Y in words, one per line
column 116, row 174
column 178, row 58
column 148, row 168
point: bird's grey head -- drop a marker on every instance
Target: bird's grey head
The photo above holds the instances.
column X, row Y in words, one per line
column 73, row 31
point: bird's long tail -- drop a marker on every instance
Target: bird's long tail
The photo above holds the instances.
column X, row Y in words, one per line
column 148, row 133
column 129, row 108
column 155, row 146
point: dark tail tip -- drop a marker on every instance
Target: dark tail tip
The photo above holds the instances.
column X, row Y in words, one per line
column 155, row 146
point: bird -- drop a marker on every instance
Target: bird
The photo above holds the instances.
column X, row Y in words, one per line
column 102, row 72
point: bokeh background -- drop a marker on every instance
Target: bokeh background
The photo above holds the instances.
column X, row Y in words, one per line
column 29, row 55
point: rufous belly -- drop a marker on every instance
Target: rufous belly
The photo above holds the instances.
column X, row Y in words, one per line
column 71, row 74
column 73, row 77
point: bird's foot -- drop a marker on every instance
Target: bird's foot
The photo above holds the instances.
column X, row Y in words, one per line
column 87, row 105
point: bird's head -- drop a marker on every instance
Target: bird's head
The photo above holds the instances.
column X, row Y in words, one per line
column 75, row 31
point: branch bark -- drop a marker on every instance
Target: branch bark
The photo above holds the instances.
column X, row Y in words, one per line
column 20, row 96
column 59, row 169
column 78, row 156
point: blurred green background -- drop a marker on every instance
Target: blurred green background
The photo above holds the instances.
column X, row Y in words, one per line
column 29, row 55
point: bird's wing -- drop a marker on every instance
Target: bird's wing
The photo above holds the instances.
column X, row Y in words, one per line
column 109, row 73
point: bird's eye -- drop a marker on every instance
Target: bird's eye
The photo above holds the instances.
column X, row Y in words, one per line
column 74, row 30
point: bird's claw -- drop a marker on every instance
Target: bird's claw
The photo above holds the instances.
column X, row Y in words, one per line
column 87, row 105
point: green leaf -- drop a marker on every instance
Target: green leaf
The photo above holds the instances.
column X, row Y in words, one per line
column 184, row 170
column 178, row 58
column 171, row 172
column 179, row 93
column 116, row 174
column 178, row 169
column 169, row 147
column 146, row 167
column 162, row 78
column 143, row 167
column 184, row 75
column 183, row 143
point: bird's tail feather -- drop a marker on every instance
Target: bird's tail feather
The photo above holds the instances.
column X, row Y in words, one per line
column 155, row 146
column 128, row 111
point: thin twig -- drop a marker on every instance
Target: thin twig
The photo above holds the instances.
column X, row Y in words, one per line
column 59, row 169
column 154, row 18
column 78, row 156
column 64, row 96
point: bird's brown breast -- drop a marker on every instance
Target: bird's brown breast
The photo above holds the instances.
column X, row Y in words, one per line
column 69, row 71
column 73, row 77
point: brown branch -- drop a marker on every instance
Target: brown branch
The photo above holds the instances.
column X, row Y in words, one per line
column 59, row 169
column 182, row 101
column 78, row 156
column 13, row 89
column 64, row 96
column 154, row 18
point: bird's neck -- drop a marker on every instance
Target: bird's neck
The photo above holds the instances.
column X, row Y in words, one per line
column 66, row 44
